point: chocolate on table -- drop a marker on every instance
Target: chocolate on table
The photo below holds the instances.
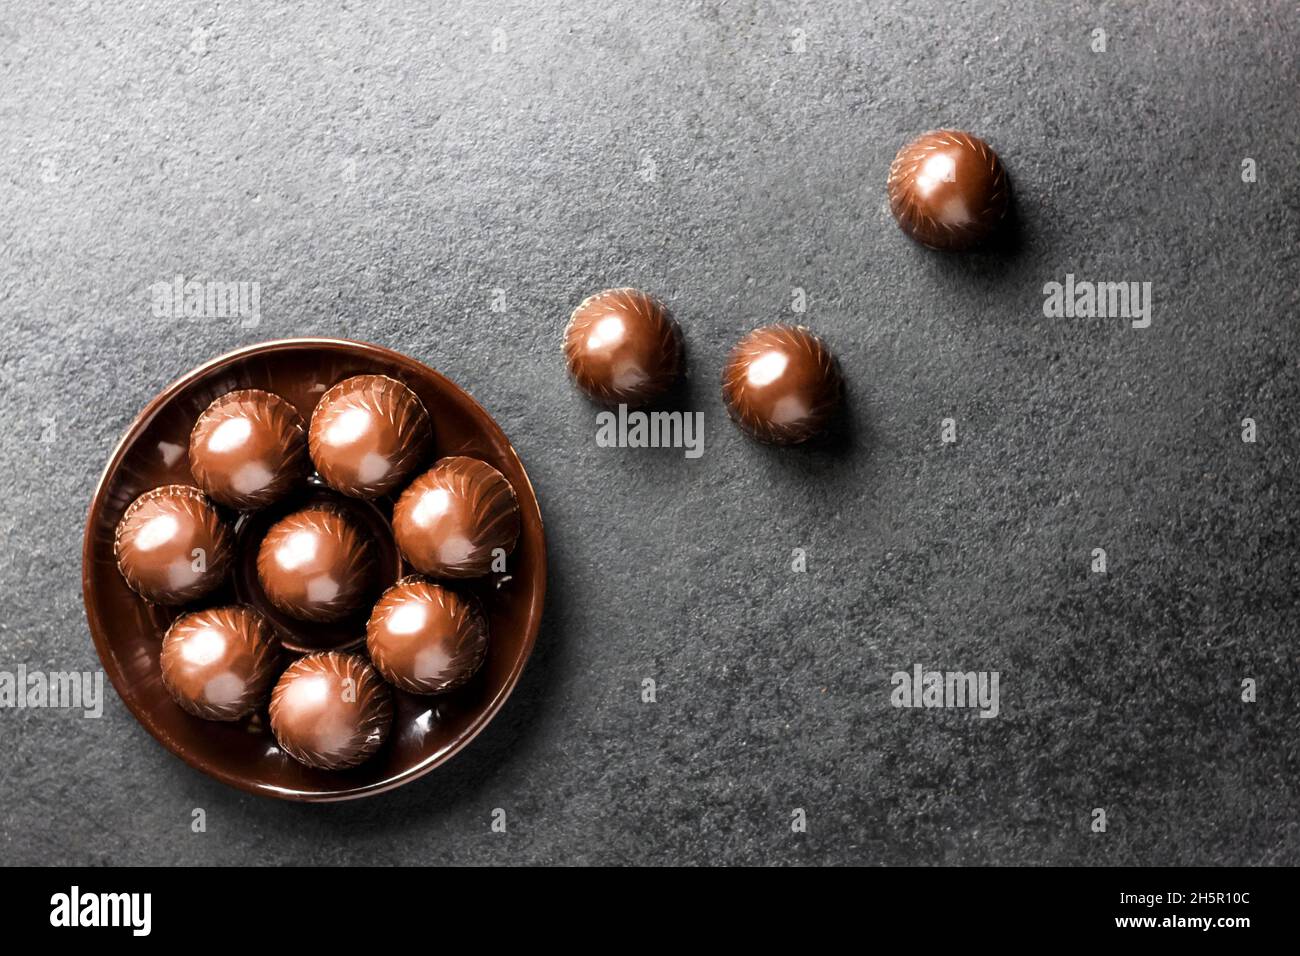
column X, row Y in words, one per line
column 781, row 384
column 368, row 434
column 316, row 564
column 948, row 189
column 330, row 710
column 248, row 449
column 623, row 347
column 172, row 545
column 425, row 638
column 455, row 519
column 219, row 663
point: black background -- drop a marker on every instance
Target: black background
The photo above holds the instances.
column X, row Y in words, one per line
column 1039, row 904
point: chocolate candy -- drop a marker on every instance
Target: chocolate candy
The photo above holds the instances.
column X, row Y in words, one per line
column 368, row 434
column 248, row 449
column 219, row 664
column 622, row 346
column 426, row 639
column 171, row 545
column 452, row 519
column 948, row 189
column 316, row 565
column 330, row 710
column 781, row 384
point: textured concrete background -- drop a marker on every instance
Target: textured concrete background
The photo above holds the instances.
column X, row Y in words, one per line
column 380, row 170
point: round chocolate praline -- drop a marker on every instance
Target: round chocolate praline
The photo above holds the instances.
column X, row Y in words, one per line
column 330, row 710
column 426, row 639
column 172, row 546
column 623, row 347
column 782, row 384
column 316, row 565
column 248, row 449
column 453, row 519
column 368, row 434
column 948, row 189
column 219, row 663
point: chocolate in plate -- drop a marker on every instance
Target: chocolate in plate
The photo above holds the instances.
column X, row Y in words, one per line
column 331, row 710
column 456, row 519
column 219, row 663
column 368, row 434
column 172, row 545
column 248, row 449
column 781, row 384
column 948, row 189
column 316, row 564
column 623, row 347
column 424, row 638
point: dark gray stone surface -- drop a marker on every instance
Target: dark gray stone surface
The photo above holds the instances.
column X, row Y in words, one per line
column 381, row 170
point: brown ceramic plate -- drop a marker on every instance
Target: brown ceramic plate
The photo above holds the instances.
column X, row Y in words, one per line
column 426, row 731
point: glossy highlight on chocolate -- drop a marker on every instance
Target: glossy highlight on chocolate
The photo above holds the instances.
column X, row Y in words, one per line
column 172, row 545
column 623, row 347
column 316, row 565
column 782, row 385
column 455, row 518
column 248, row 449
column 368, row 434
column 219, row 663
column 331, row 710
column 948, row 190
column 425, row 638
